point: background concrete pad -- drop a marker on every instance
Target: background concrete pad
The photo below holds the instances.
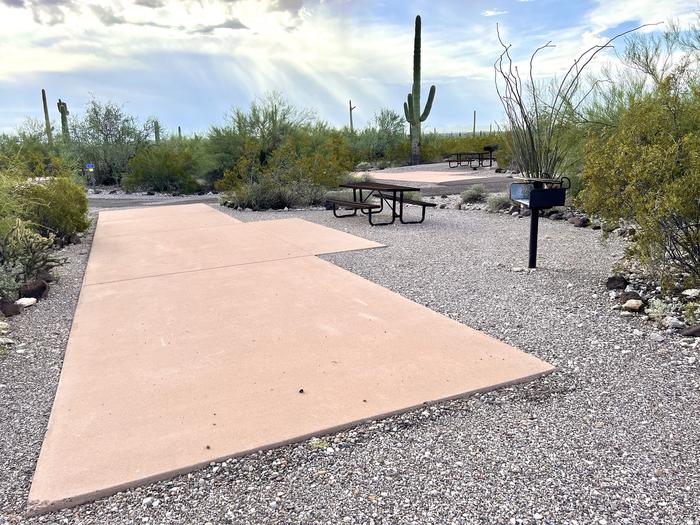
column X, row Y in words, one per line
column 435, row 177
column 166, row 374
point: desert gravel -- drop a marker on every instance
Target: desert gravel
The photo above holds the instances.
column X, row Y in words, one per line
column 611, row 437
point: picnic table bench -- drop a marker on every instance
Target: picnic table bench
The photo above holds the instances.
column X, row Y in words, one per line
column 391, row 194
column 467, row 157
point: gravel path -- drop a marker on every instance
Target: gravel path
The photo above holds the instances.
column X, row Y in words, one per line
column 611, row 437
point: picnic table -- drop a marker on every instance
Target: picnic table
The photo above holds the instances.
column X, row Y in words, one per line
column 467, row 157
column 391, row 194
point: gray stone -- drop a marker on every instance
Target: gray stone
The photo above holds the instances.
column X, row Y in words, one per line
column 633, row 305
column 616, row 282
column 24, row 302
column 692, row 331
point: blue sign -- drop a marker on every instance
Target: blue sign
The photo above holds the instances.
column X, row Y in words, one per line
column 90, row 166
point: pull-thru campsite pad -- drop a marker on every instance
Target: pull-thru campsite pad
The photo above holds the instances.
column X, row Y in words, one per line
column 198, row 337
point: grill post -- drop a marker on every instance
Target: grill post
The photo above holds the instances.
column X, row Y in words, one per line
column 534, row 218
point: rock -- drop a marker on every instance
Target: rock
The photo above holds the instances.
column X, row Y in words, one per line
column 4, row 327
column 24, row 302
column 443, row 206
column 616, row 282
column 595, row 226
column 626, row 296
column 556, row 216
column 568, row 215
column 633, row 305
column 443, row 196
column 150, row 193
column 526, row 213
column 97, row 192
column 148, row 501
column 248, row 209
column 579, row 222
column 37, row 289
column 609, row 227
column 74, row 239
column 113, row 192
column 517, row 269
column 657, row 337
column 673, row 323
column 500, row 170
column 637, row 332
column 45, row 276
column 691, row 293
column 692, row 331
column 9, row 309
column 6, row 341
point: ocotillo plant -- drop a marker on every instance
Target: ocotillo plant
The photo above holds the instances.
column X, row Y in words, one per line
column 47, row 121
column 411, row 107
column 63, row 110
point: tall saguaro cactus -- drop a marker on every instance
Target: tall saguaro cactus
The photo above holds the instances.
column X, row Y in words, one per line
column 47, row 120
column 411, row 107
column 63, row 110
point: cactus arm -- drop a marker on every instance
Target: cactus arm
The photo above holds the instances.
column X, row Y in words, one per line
column 428, row 105
column 405, row 112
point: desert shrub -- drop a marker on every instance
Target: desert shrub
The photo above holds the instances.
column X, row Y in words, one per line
column 296, row 172
column 57, row 206
column 475, row 193
column 169, row 166
column 24, row 254
column 647, row 170
column 497, row 202
column 107, row 137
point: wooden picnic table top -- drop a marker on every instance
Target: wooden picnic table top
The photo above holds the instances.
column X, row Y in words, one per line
column 377, row 186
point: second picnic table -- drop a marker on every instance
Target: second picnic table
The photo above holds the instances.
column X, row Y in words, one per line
column 391, row 194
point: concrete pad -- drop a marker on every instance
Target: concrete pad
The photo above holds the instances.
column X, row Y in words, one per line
column 428, row 177
column 121, row 252
column 117, row 257
column 313, row 238
column 165, row 374
column 152, row 212
column 158, row 219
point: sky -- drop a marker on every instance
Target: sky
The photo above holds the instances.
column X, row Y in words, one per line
column 189, row 62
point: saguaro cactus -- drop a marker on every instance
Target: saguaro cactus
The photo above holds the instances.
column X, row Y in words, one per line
column 63, row 110
column 156, row 131
column 47, row 121
column 411, row 107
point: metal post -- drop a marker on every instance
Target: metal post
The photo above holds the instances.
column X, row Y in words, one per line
column 534, row 223
column 534, row 217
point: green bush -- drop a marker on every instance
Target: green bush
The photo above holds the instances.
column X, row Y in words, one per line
column 497, row 202
column 57, row 206
column 475, row 193
column 647, row 170
column 170, row 166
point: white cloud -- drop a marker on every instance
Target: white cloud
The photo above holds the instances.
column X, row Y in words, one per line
column 493, row 12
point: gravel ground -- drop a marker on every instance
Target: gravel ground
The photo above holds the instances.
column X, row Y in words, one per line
column 611, row 437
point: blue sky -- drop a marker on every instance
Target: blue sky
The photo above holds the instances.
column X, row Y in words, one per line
column 188, row 62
